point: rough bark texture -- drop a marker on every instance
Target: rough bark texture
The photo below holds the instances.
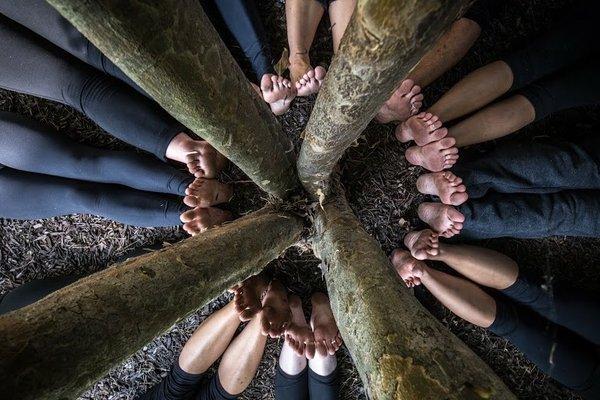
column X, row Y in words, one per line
column 57, row 347
column 171, row 50
column 400, row 350
column 384, row 41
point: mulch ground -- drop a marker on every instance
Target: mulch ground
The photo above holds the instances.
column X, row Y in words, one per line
column 380, row 186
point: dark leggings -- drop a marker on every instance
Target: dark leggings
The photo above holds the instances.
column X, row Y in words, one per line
column 306, row 385
column 31, row 65
column 558, row 332
column 530, row 190
column 558, row 70
column 240, row 20
column 41, row 18
column 47, row 175
column 236, row 18
column 180, row 385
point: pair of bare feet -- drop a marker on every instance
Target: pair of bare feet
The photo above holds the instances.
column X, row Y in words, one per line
column 205, row 163
column 320, row 336
column 410, row 269
column 442, row 217
column 281, row 315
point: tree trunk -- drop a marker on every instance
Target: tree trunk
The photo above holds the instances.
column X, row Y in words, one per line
column 400, row 350
column 384, row 41
column 171, row 50
column 57, row 347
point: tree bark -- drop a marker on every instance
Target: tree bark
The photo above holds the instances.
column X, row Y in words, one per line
column 400, row 350
column 171, row 50
column 384, row 41
column 57, row 347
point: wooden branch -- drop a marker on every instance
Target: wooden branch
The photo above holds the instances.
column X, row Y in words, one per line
column 59, row 346
column 400, row 350
column 384, row 41
column 171, row 50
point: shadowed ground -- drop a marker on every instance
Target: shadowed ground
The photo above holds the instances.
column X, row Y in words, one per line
column 380, row 187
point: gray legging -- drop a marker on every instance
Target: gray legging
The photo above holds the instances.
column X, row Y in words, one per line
column 32, row 65
column 530, row 190
column 43, row 174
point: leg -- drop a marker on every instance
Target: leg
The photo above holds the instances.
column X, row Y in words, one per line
column 41, row 18
column 48, row 196
column 573, row 88
column 474, row 91
column 569, row 213
column 242, row 357
column 323, row 382
column 446, row 52
column 532, row 167
column 205, row 346
column 340, row 12
column 302, row 18
column 572, row 309
column 561, row 354
column 28, row 146
column 33, row 291
column 38, row 68
column 291, row 377
column 494, row 121
column 571, row 41
column 209, row 341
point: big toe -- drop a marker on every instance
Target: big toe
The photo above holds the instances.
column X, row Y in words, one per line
column 320, row 73
column 458, row 198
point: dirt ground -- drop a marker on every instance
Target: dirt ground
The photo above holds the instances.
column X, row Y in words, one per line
column 381, row 189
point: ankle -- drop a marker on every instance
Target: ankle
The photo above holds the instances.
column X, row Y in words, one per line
column 176, row 150
column 299, row 58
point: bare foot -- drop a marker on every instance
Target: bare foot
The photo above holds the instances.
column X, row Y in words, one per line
column 327, row 334
column 207, row 192
column 423, row 128
column 298, row 334
column 201, row 158
column 408, row 268
column 445, row 185
column 200, row 219
column 446, row 220
column 306, row 79
column 276, row 313
column 404, row 103
column 422, row 244
column 278, row 92
column 435, row 156
column 248, row 296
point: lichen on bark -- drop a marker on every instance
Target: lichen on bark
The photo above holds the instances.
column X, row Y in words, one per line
column 57, row 347
column 400, row 350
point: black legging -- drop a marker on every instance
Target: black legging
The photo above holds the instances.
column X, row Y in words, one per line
column 31, row 65
column 241, row 20
column 559, row 332
column 41, row 18
column 47, row 175
column 238, row 18
column 559, row 70
column 530, row 190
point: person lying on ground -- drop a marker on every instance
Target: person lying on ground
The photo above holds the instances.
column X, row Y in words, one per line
column 556, row 71
column 558, row 329
column 526, row 190
column 44, row 174
column 214, row 339
column 307, row 366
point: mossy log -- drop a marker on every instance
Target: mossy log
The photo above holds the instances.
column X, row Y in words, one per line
column 60, row 345
column 400, row 350
column 172, row 51
column 383, row 42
